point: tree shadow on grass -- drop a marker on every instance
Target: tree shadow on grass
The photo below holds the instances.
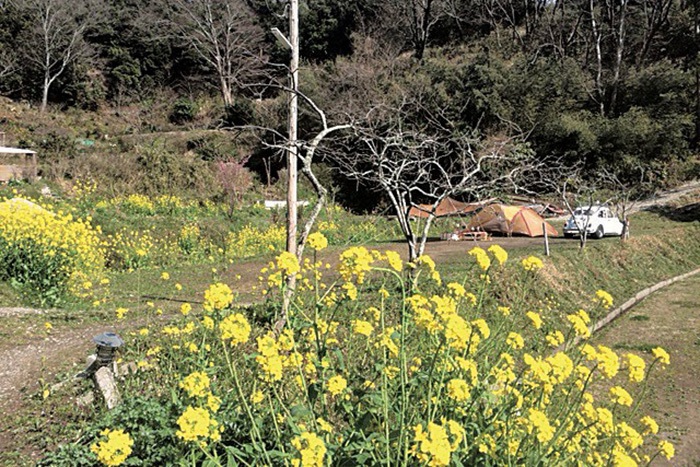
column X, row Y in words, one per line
column 687, row 213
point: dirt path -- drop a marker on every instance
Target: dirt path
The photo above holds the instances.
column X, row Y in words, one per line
column 669, row 319
column 669, row 196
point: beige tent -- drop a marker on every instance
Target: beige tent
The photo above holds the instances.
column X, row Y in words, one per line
column 509, row 220
column 448, row 207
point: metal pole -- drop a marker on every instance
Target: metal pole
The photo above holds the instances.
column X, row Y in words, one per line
column 546, row 239
column 292, row 151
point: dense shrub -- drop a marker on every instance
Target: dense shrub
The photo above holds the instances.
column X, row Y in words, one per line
column 184, row 111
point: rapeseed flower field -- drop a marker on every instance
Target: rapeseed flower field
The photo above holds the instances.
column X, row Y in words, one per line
column 382, row 363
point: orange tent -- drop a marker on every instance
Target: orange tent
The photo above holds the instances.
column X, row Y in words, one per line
column 447, row 207
column 509, row 220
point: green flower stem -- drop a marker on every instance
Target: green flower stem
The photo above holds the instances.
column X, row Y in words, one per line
column 242, row 397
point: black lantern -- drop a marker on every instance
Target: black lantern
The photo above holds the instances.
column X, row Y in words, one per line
column 107, row 345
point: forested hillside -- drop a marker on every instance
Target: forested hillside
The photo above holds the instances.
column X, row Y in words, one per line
column 601, row 83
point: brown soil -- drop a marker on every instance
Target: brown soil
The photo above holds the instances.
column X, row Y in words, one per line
column 669, row 319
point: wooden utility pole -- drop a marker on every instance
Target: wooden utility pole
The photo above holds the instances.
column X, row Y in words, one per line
column 293, row 112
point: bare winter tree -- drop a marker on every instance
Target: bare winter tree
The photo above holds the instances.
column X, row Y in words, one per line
column 412, row 165
column 224, row 34
column 577, row 193
column 7, row 63
column 307, row 155
column 414, row 20
column 55, row 38
column 626, row 193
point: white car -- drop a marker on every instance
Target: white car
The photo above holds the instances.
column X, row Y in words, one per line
column 598, row 222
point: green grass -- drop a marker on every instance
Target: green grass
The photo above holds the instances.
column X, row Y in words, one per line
column 639, row 318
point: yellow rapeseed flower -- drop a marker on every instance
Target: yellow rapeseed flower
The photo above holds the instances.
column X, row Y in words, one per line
column 317, row 241
column 394, row 260
column 499, row 253
column 620, row 396
column 458, row 390
column 235, row 327
column 535, row 318
column 217, row 297
column 651, row 426
column 661, row 355
column 196, row 384
column 197, row 424
column 532, row 263
column 666, row 449
column 311, row 450
column 288, row 263
column 336, row 385
column 539, row 420
column 114, row 448
column 604, row 298
column 482, row 259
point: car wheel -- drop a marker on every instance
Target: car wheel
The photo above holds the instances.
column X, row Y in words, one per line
column 569, row 235
column 599, row 233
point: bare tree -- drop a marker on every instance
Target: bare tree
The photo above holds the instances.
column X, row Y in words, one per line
column 224, row 35
column 414, row 20
column 412, row 165
column 306, row 153
column 578, row 194
column 626, row 193
column 7, row 62
column 55, row 37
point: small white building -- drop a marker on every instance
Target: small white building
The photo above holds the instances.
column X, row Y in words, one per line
column 16, row 163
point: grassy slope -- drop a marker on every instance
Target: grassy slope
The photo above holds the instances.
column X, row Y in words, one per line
column 668, row 319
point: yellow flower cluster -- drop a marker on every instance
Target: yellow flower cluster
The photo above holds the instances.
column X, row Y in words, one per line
column 539, row 421
column 288, row 263
column 336, row 385
column 197, row 425
column 50, row 248
column 269, row 358
column 311, row 450
column 217, row 297
column 355, row 263
column 394, row 260
column 435, row 445
column 499, row 253
column 635, row 366
column 455, row 365
column 482, row 259
column 458, row 390
column 661, row 355
column 579, row 321
column 317, row 241
column 136, row 203
column 189, row 238
column 620, row 396
column 196, row 384
column 532, row 263
column 604, row 298
column 114, row 448
column 235, row 328
column 251, row 241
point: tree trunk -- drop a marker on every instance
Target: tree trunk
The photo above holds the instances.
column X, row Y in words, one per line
column 45, row 94
column 226, row 92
